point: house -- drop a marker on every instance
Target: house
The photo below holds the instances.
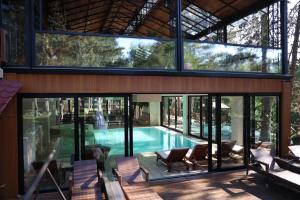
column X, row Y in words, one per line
column 141, row 76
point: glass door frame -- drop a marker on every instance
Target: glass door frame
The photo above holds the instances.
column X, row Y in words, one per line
column 128, row 125
column 246, row 127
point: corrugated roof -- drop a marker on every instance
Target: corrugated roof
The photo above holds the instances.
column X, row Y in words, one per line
column 8, row 90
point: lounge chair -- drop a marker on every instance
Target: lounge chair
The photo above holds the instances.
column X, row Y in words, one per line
column 198, row 153
column 129, row 171
column 260, row 161
column 170, row 157
column 226, row 148
column 129, row 174
column 277, row 170
column 286, row 174
column 295, row 152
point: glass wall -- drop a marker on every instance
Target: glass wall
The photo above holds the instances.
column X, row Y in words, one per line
column 143, row 35
column 44, row 121
column 13, row 22
column 226, row 57
column 102, row 34
column 232, row 131
column 264, row 122
column 172, row 112
column 251, row 44
column 104, row 52
column 104, row 125
column 195, row 113
column 141, row 116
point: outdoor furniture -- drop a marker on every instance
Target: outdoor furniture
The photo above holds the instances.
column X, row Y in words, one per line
column 198, row 153
column 133, row 184
column 295, row 152
column 226, row 147
column 170, row 157
column 260, row 161
column 277, row 170
column 87, row 182
column 129, row 171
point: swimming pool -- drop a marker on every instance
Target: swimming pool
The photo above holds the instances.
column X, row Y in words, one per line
column 145, row 139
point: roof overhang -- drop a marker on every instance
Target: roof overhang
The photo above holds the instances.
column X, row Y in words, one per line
column 8, row 90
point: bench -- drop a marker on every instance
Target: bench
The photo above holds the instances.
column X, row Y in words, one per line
column 87, row 182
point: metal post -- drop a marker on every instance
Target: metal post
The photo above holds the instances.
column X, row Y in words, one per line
column 284, row 40
column 179, row 42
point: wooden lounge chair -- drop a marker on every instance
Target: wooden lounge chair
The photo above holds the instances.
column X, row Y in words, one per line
column 129, row 174
column 170, row 157
column 279, row 171
column 197, row 154
column 286, row 174
column 260, row 161
column 295, row 152
column 129, row 171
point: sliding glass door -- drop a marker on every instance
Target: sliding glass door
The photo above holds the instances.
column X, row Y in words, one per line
column 103, row 125
column 172, row 112
column 48, row 124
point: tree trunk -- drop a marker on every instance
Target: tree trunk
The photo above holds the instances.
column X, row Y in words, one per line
column 293, row 64
column 266, row 104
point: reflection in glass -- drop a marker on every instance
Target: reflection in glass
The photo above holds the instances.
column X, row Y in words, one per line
column 264, row 122
column 173, row 111
column 165, row 116
column 232, row 131
column 195, row 123
column 44, row 121
column 104, row 52
column 13, row 19
column 179, row 113
column 226, row 57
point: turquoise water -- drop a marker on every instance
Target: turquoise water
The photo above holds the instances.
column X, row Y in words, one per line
column 145, row 139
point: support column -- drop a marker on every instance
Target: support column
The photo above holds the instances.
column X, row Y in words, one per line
column 285, row 117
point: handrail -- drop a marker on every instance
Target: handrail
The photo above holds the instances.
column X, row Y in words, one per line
column 41, row 173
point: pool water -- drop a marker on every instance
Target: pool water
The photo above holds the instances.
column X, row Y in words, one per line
column 145, row 139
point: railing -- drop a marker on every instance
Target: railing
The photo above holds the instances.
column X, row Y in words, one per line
column 75, row 50
column 36, row 182
column 230, row 57
column 102, row 51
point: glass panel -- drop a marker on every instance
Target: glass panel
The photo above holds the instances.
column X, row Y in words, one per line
column 264, row 122
column 195, row 116
column 13, row 19
column 172, row 107
column 141, row 116
column 165, row 111
column 104, row 52
column 205, row 116
column 44, row 121
column 232, row 131
column 179, row 113
column 225, row 57
column 150, row 18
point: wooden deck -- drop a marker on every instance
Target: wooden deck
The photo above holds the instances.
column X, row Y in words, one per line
column 225, row 185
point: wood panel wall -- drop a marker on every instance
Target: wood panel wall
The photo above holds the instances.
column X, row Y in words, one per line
column 9, row 151
column 42, row 83
column 47, row 83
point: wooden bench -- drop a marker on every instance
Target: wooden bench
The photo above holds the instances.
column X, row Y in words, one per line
column 87, row 181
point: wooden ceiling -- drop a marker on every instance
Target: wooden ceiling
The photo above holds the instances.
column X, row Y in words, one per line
column 152, row 17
